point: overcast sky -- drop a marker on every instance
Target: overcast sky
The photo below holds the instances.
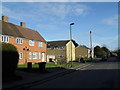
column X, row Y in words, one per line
column 52, row 19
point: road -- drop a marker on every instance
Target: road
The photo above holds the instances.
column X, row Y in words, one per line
column 97, row 75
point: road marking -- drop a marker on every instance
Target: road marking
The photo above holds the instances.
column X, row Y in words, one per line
column 84, row 67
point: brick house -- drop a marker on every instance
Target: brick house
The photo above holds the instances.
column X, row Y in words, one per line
column 82, row 51
column 30, row 44
column 60, row 50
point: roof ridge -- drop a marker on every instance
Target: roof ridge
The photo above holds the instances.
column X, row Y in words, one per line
column 19, row 25
column 58, row 40
column 26, row 32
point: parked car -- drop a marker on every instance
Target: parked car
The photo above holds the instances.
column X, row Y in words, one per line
column 104, row 58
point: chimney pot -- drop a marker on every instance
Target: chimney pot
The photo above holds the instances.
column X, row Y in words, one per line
column 5, row 18
column 22, row 24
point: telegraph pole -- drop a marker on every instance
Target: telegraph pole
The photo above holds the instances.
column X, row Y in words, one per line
column 91, row 45
column 71, row 40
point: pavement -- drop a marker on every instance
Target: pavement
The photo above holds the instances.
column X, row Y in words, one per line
column 28, row 79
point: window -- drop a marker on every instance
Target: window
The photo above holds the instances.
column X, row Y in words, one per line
column 5, row 38
column 39, row 55
column 52, row 48
column 31, row 42
column 35, row 55
column 18, row 40
column 40, row 44
column 20, row 55
column 30, row 55
column 60, row 56
column 61, row 47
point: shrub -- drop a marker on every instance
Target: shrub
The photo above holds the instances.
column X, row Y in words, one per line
column 9, row 59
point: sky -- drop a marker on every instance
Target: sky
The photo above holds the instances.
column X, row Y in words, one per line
column 52, row 20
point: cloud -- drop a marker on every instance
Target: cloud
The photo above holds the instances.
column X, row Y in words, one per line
column 110, row 40
column 113, row 20
column 50, row 26
column 12, row 14
column 62, row 10
column 45, row 11
column 96, row 44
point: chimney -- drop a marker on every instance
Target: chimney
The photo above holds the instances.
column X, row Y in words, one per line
column 4, row 18
column 22, row 24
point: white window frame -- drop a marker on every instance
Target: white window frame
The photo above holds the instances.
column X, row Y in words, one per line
column 40, row 44
column 31, row 42
column 20, row 55
column 39, row 55
column 19, row 40
column 35, row 55
column 30, row 55
column 5, row 38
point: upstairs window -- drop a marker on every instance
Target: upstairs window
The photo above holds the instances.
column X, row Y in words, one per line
column 18, row 40
column 40, row 44
column 31, row 42
column 5, row 38
column 61, row 48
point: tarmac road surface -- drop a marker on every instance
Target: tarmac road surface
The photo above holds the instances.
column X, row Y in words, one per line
column 104, row 74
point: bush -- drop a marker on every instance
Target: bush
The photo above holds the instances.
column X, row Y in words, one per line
column 10, row 58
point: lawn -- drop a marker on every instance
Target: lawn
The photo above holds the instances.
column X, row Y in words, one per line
column 64, row 65
column 52, row 64
column 52, row 67
column 93, row 59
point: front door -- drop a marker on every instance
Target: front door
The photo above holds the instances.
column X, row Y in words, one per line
column 43, row 57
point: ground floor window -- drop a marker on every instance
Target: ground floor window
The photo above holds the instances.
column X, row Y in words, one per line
column 30, row 55
column 20, row 55
column 34, row 55
column 61, row 56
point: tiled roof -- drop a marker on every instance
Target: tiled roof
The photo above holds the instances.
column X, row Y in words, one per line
column 19, row 31
column 58, row 43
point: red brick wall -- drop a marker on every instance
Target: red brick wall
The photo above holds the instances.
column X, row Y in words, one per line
column 32, row 49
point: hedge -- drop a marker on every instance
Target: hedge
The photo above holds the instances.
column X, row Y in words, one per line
column 10, row 58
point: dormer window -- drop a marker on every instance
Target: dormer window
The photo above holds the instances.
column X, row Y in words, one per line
column 31, row 42
column 19, row 40
column 5, row 38
column 61, row 47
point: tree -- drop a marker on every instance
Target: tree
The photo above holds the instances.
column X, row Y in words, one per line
column 101, row 51
column 97, row 51
column 106, row 50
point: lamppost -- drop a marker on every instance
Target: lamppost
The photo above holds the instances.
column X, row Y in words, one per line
column 91, row 45
column 71, row 40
